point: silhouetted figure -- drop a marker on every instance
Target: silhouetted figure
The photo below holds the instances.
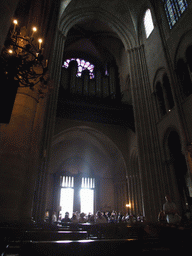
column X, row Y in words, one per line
column 66, row 219
column 171, row 211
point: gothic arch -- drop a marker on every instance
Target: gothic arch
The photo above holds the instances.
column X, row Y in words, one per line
column 182, row 63
column 69, row 19
column 184, row 42
column 158, row 77
column 162, row 92
column 84, row 151
column 165, row 139
column 105, row 149
column 177, row 169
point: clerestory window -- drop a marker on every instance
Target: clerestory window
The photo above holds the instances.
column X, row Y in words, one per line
column 148, row 23
column 174, row 10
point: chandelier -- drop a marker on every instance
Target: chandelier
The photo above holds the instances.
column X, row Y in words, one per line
column 22, row 60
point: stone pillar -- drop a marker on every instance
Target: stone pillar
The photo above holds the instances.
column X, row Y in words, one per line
column 85, row 75
column 140, row 199
column 17, row 183
column 65, row 78
column 128, row 192
column 55, row 206
column 77, row 189
column 147, row 136
column 105, row 83
column 132, row 195
column 98, row 83
column 38, row 153
column 135, row 193
column 79, row 85
column 112, row 82
column 167, row 107
column 92, row 91
column 156, row 104
column 137, row 186
column 55, row 74
column 120, row 196
column 73, row 71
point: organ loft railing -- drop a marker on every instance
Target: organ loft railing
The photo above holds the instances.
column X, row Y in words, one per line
column 91, row 93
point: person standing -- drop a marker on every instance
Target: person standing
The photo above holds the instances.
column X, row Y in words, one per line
column 170, row 210
column 100, row 218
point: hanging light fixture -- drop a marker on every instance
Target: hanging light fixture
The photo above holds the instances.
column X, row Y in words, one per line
column 22, row 59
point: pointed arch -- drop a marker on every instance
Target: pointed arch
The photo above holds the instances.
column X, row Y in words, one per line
column 69, row 19
column 176, row 165
column 99, row 140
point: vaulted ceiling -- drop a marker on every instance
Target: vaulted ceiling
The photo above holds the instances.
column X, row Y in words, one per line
column 92, row 40
column 102, row 31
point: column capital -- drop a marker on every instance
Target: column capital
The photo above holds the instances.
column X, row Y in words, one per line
column 136, row 48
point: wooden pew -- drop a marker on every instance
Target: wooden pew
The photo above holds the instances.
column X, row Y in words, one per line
column 107, row 247
column 82, row 231
column 13, row 244
column 53, row 235
column 113, row 231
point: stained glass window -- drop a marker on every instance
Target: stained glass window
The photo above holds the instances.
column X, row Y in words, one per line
column 174, row 9
column 148, row 23
column 82, row 65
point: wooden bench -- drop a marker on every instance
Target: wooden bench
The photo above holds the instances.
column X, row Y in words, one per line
column 53, row 235
column 110, row 233
column 113, row 231
column 82, row 247
column 14, row 242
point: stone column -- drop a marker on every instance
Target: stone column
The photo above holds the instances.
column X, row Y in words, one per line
column 92, row 91
column 77, row 189
column 86, row 79
column 17, row 183
column 37, row 152
column 105, row 85
column 98, row 83
column 65, row 78
column 167, row 107
column 128, row 191
column 147, row 136
column 55, row 207
column 112, row 82
column 55, row 73
column 79, row 85
column 73, row 66
column 132, row 208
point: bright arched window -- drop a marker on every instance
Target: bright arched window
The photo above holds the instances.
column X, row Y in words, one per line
column 148, row 23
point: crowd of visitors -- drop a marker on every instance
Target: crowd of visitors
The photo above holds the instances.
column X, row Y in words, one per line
column 99, row 217
column 169, row 214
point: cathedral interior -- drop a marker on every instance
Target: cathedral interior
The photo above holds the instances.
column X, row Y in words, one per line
column 95, row 100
